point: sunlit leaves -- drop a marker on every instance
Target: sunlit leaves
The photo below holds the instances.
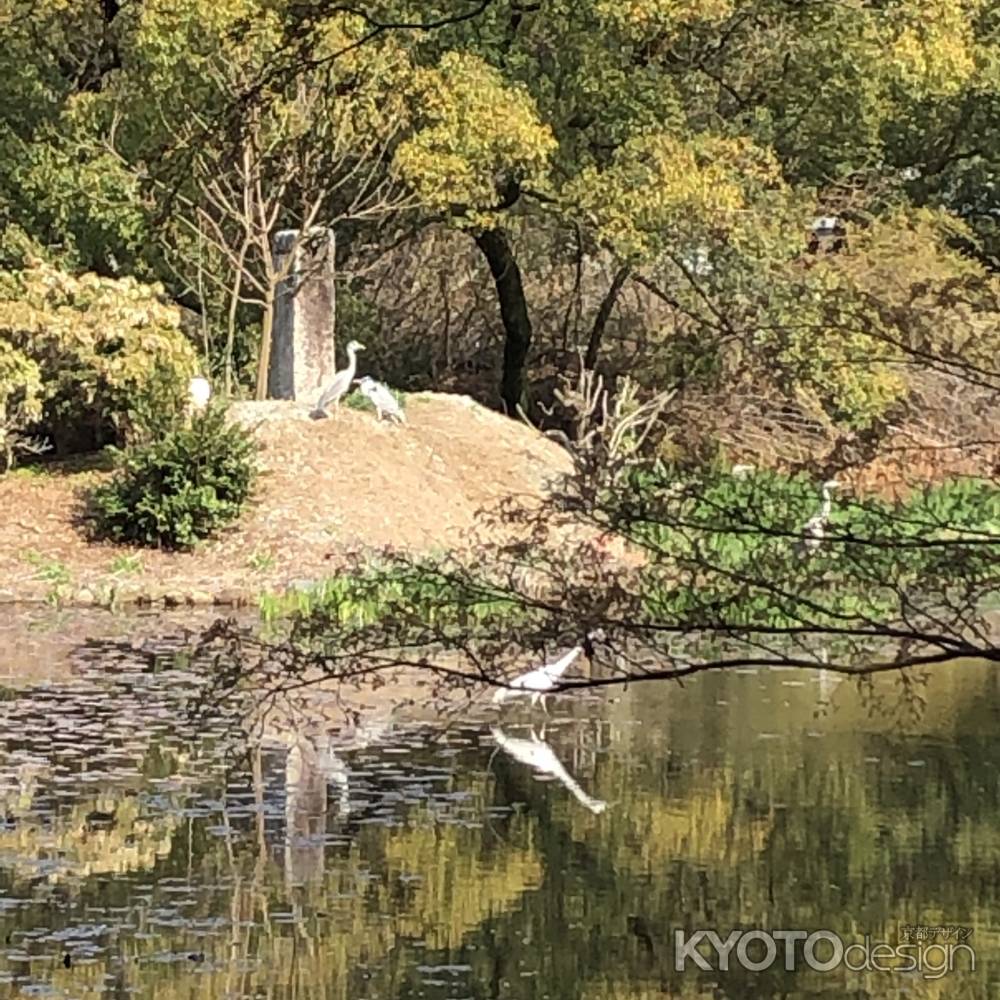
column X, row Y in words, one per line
column 477, row 134
column 934, row 49
column 94, row 341
column 648, row 16
column 660, row 191
column 20, row 382
column 176, row 43
column 900, row 293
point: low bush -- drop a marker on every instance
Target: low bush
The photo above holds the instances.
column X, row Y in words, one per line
column 183, row 486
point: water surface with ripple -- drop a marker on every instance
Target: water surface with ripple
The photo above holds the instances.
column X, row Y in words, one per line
column 142, row 854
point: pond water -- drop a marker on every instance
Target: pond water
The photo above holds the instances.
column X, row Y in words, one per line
column 139, row 856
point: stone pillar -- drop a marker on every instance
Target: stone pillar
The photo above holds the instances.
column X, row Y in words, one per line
column 303, row 359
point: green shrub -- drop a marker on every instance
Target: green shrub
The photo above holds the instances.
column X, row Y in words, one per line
column 79, row 350
column 157, row 408
column 179, row 488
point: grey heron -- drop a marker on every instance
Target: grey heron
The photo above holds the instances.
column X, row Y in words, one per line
column 814, row 529
column 342, row 380
column 382, row 399
column 539, row 682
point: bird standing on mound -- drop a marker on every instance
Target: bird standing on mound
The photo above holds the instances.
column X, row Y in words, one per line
column 382, row 399
column 341, row 381
column 539, row 682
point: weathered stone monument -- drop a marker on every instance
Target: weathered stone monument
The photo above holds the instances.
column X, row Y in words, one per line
column 303, row 358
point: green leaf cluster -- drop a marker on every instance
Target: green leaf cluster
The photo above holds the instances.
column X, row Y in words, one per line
column 77, row 351
column 475, row 135
column 730, row 548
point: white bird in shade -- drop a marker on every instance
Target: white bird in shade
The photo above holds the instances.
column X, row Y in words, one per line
column 815, row 528
column 199, row 393
column 538, row 682
column 539, row 756
column 382, row 399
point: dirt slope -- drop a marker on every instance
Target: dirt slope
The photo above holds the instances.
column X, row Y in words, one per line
column 329, row 486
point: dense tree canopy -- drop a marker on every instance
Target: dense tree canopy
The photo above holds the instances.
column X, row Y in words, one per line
column 689, row 145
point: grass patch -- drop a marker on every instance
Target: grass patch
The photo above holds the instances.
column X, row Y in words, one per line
column 51, row 571
column 261, row 562
column 48, row 570
column 126, row 565
column 378, row 594
column 88, row 465
column 27, row 472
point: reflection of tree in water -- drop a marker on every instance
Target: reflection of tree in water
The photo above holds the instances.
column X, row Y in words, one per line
column 104, row 834
column 860, row 833
column 508, row 879
column 75, row 758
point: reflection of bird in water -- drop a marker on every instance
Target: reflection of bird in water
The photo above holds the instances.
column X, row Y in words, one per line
column 814, row 529
column 828, row 679
column 538, row 682
column 539, row 756
column 305, row 813
column 334, row 770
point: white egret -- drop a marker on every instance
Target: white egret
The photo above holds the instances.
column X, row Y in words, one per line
column 341, row 381
column 199, row 393
column 742, row 470
column 815, row 528
column 538, row 682
column 382, row 399
column 539, row 756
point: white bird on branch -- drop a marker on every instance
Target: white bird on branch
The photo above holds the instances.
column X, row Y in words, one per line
column 539, row 682
column 814, row 530
column 382, row 399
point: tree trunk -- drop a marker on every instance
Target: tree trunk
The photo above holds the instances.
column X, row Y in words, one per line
column 234, row 304
column 266, row 332
column 603, row 315
column 513, row 313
